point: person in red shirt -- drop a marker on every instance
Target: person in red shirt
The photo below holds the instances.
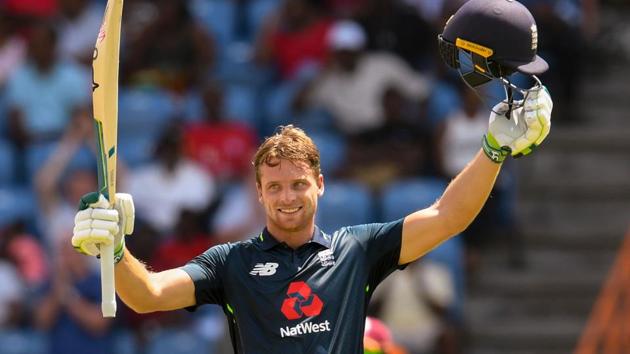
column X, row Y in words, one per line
column 296, row 36
column 224, row 147
column 188, row 241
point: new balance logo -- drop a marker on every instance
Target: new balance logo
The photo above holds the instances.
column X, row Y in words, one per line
column 264, row 269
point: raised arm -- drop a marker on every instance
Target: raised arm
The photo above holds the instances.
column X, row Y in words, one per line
column 466, row 194
column 452, row 213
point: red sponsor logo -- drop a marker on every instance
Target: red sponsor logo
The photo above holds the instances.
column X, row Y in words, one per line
column 301, row 302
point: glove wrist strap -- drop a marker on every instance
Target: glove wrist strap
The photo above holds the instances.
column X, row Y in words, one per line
column 496, row 155
column 119, row 252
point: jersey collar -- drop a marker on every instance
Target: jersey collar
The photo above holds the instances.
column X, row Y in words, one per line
column 267, row 241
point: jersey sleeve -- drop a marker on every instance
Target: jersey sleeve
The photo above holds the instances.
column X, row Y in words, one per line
column 207, row 272
column 381, row 243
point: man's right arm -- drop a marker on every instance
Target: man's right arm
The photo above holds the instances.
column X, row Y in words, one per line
column 144, row 291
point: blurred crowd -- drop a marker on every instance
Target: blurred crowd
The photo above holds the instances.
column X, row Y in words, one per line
column 201, row 83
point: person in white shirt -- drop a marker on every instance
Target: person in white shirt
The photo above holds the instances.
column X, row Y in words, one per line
column 352, row 86
column 169, row 185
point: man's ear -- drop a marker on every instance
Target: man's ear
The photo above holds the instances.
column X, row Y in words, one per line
column 320, row 185
column 259, row 192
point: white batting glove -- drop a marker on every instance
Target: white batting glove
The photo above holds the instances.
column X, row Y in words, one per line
column 98, row 223
column 526, row 129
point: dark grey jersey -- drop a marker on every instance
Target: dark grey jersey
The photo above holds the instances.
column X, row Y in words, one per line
column 309, row 300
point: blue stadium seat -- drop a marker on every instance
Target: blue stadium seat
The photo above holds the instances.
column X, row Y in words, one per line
column 144, row 112
column 344, row 203
column 22, row 342
column 332, row 150
column 178, row 342
column 7, row 163
column 16, row 203
column 136, row 150
column 241, row 104
column 125, row 342
column 3, row 114
column 192, row 109
column 277, row 105
column 259, row 10
column 217, row 16
column 444, row 99
column 38, row 154
column 405, row 196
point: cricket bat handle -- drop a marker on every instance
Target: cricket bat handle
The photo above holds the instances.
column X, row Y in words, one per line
column 108, row 292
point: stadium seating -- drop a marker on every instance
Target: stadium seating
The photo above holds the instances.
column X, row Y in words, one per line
column 22, row 342
column 3, row 113
column 332, row 149
column 136, row 150
column 38, row 154
column 8, row 163
column 405, row 196
column 125, row 342
column 16, row 203
column 344, row 203
column 241, row 103
column 144, row 112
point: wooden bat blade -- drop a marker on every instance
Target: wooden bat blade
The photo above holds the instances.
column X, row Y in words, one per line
column 105, row 95
column 105, row 106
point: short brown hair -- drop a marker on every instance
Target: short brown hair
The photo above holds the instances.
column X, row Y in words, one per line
column 289, row 143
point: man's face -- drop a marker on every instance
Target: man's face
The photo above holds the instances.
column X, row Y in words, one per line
column 289, row 192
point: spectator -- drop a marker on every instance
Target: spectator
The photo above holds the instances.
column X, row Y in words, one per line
column 394, row 26
column 458, row 138
column 189, row 240
column 79, row 22
column 352, row 87
column 414, row 304
column 295, row 37
column 12, row 292
column 57, row 195
column 239, row 215
column 377, row 338
column 169, row 185
column 69, row 310
column 31, row 9
column 173, row 51
column 12, row 48
column 26, row 253
column 45, row 93
column 225, row 148
column 403, row 135
column 563, row 29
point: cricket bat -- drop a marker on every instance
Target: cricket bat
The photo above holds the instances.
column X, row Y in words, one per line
column 105, row 106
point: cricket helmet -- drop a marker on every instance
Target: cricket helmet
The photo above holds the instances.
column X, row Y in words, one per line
column 500, row 36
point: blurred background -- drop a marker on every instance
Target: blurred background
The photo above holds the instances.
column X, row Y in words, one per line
column 203, row 81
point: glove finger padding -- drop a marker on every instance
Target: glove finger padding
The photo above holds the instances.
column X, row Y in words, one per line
column 126, row 210
column 96, row 223
column 86, row 240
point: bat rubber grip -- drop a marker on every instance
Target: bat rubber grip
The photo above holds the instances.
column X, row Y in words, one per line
column 108, row 292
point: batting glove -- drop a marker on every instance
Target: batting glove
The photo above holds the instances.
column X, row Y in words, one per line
column 97, row 223
column 526, row 129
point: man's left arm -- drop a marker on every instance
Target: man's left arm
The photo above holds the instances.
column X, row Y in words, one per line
column 467, row 193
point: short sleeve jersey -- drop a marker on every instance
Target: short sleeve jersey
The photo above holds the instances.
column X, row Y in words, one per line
column 309, row 300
